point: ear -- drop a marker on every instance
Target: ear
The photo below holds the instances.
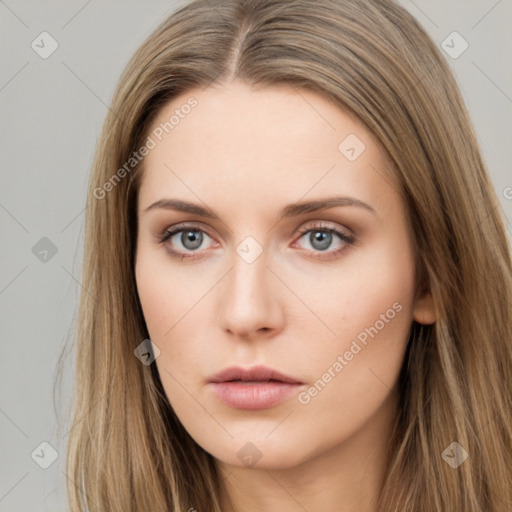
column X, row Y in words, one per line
column 424, row 311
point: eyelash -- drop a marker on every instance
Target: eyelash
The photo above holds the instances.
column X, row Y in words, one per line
column 348, row 239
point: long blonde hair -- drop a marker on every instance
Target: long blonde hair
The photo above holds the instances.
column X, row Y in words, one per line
column 127, row 450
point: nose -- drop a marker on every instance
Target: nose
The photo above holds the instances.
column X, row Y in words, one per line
column 252, row 306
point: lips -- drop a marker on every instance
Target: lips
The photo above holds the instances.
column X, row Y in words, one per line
column 253, row 388
column 253, row 374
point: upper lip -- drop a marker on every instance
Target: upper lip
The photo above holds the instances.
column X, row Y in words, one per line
column 254, row 374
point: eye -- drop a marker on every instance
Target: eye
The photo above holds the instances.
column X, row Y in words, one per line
column 183, row 239
column 320, row 238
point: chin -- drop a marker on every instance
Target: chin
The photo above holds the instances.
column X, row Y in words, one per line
column 260, row 453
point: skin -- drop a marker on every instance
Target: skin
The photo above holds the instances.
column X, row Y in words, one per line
column 245, row 154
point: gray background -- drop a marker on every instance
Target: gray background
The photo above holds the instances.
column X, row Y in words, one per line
column 51, row 113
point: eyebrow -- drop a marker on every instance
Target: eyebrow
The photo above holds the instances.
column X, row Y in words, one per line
column 290, row 210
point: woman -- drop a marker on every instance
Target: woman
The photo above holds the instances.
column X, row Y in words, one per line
column 289, row 201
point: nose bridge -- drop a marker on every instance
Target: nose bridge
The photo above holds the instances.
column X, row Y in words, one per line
column 250, row 303
column 248, row 280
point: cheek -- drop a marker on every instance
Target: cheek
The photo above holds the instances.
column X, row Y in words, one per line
column 371, row 289
column 151, row 290
column 171, row 306
column 174, row 311
column 166, row 295
column 370, row 312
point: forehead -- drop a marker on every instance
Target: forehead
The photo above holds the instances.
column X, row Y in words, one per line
column 278, row 141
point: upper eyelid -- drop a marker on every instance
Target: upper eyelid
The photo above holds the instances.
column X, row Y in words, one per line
column 200, row 227
column 191, row 227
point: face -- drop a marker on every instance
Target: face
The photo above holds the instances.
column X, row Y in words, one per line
column 272, row 234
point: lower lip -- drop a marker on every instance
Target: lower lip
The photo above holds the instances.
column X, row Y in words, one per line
column 254, row 395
